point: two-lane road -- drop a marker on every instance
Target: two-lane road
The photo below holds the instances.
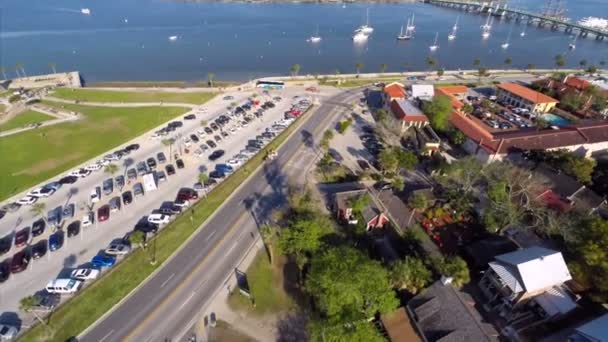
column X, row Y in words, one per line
column 165, row 306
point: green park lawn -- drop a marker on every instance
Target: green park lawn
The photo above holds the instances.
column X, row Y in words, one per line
column 96, row 95
column 33, row 156
column 25, row 118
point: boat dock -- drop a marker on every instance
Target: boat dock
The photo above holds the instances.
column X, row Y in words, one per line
column 64, row 79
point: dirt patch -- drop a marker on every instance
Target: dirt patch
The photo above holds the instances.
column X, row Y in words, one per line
column 48, row 164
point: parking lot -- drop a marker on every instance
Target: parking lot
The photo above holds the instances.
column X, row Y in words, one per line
column 495, row 116
column 107, row 207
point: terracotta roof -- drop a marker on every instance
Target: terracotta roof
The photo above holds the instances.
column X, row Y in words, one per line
column 404, row 110
column 456, row 103
column 577, row 83
column 399, row 327
column 394, row 90
column 526, row 93
column 455, row 89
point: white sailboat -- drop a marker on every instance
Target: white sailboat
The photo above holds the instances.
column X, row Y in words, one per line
column 523, row 33
column 85, row 11
column 455, row 27
column 434, row 46
column 407, row 35
column 315, row 38
column 452, row 34
column 505, row 45
column 366, row 28
column 360, row 37
column 572, row 44
column 172, row 38
column 410, row 26
column 487, row 25
column 486, row 29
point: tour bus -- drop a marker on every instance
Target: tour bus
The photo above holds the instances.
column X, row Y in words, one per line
column 270, row 84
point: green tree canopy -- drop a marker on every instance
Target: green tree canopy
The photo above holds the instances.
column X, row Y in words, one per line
column 361, row 331
column 454, row 267
column 348, row 286
column 304, row 235
column 410, row 274
column 591, row 247
column 418, row 201
column 438, row 111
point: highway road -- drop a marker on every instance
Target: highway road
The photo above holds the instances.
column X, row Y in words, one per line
column 78, row 251
column 169, row 302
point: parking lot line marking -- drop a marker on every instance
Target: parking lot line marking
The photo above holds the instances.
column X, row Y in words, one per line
column 166, row 281
column 107, row 335
column 210, row 236
column 187, row 300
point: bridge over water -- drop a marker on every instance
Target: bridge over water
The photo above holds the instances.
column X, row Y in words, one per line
column 520, row 15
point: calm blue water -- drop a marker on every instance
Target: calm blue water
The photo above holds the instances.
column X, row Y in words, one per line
column 556, row 120
column 238, row 41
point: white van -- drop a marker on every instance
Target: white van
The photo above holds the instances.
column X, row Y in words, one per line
column 95, row 195
column 158, row 219
column 63, row 286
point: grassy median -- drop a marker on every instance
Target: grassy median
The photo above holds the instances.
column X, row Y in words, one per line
column 24, row 118
column 91, row 303
column 34, row 156
column 97, row 95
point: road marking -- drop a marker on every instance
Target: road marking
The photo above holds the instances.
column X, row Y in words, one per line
column 187, row 300
column 210, row 236
column 166, row 281
column 231, row 248
column 107, row 335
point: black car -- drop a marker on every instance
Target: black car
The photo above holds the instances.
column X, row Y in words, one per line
column 5, row 244
column 2, row 213
column 217, row 174
column 127, row 197
column 161, row 157
column 73, row 229
column 5, row 270
column 145, row 226
column 170, row 210
column 363, row 164
column 170, row 170
column 224, row 134
column 39, row 249
column 214, row 126
column 175, row 124
column 211, row 143
column 190, row 117
column 132, row 147
column 38, row 227
column 68, row 180
column 209, row 182
column 217, row 138
column 180, row 164
column 151, row 163
column 194, row 138
column 216, row 154
column 208, row 130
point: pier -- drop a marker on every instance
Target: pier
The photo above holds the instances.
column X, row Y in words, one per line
column 521, row 16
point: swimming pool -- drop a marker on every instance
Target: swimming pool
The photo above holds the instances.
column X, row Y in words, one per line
column 556, row 120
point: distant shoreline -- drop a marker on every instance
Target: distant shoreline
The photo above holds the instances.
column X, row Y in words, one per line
column 329, row 2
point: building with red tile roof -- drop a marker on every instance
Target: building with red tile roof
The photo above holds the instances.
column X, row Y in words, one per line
column 577, row 83
column 454, row 93
column 408, row 114
column 523, row 97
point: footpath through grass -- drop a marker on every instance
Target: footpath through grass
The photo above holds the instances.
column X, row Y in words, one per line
column 24, row 118
column 266, row 285
column 96, row 95
column 91, row 303
column 31, row 157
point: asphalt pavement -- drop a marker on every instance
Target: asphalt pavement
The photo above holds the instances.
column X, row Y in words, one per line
column 170, row 301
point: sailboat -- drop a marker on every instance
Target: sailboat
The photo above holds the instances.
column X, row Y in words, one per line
column 523, row 33
column 315, row 38
column 360, row 37
column 85, row 11
column 572, row 44
column 172, row 38
column 434, row 46
column 505, row 45
column 410, row 26
column 455, row 27
column 486, row 29
column 407, row 35
column 452, row 34
column 487, row 25
column 365, row 28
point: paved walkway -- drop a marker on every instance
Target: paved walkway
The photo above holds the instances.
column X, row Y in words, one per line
column 123, row 104
column 60, row 115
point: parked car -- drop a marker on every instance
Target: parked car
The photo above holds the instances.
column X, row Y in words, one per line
column 194, row 138
column 142, row 168
column 5, row 244
column 226, row 169
column 158, row 219
column 55, row 241
column 55, row 217
column 132, row 147
column 145, row 226
column 38, row 227
column 95, row 195
column 180, row 164
column 63, row 286
column 39, row 249
column 68, row 180
column 151, row 164
column 68, row 210
column 20, row 261
column 211, row 143
column 88, row 219
column 5, row 270
column 73, row 229
column 138, row 190
column 27, row 200
column 120, row 182
column 114, row 204
column 161, row 158
column 217, row 174
column 84, row 274
column 103, row 213
column 118, row 249
column 8, row 332
column 216, row 155
column 170, row 170
column 190, row 117
column 103, row 260
column 131, row 174
column 160, row 175
column 127, row 197
column 23, row 237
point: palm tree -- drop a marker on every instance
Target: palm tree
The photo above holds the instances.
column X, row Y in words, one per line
column 3, row 71
column 110, row 169
column 430, row 61
column 38, row 209
column 560, row 61
column 359, row 66
column 481, row 72
column 477, row 62
column 530, row 67
column 295, row 69
column 582, row 63
column 17, row 70
column 21, row 67
column 508, row 62
column 383, row 68
column 210, row 77
column 203, row 178
column 138, row 238
column 28, row 303
column 440, row 72
column 602, row 62
column 269, row 234
column 169, row 143
column 405, row 65
column 53, row 67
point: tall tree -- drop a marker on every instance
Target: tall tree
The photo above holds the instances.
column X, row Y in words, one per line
column 210, row 78
column 269, row 235
column 440, row 72
column 454, row 267
column 359, row 66
column 476, row 62
column 383, row 68
column 530, row 67
column 582, row 63
column 360, row 331
column 482, row 72
column 418, row 201
column 388, row 160
column 431, row 62
column 560, row 61
column 168, row 142
column 438, row 110
column 203, row 177
column 3, row 72
column 27, row 304
column 295, row 69
column 110, row 169
column 410, row 274
column 508, row 61
column 304, row 236
column 38, row 209
column 326, row 139
column 138, row 238
column 348, row 286
column 53, row 67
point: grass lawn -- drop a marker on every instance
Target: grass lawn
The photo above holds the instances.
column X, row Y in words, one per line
column 266, row 284
column 33, row 156
column 96, row 95
column 357, row 82
column 91, row 303
column 164, row 84
column 24, row 118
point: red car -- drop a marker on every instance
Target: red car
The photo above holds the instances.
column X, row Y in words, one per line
column 187, row 195
column 313, row 89
column 20, row 261
column 295, row 112
column 103, row 213
column 22, row 237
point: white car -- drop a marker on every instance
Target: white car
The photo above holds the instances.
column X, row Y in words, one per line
column 93, row 167
column 88, row 219
column 118, row 249
column 200, row 132
column 234, row 163
column 181, row 204
column 111, row 157
column 198, row 153
column 8, row 332
column 95, row 195
column 158, row 219
column 63, row 286
column 27, row 200
column 85, row 274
